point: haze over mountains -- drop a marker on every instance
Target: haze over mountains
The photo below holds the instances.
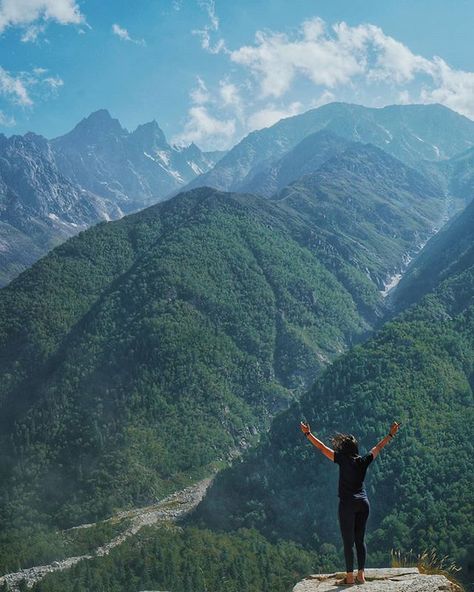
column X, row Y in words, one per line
column 49, row 190
column 411, row 133
column 148, row 351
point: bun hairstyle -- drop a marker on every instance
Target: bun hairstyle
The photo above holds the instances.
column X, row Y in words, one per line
column 345, row 443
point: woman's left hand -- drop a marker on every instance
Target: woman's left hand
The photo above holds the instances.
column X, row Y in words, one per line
column 305, row 427
column 394, row 428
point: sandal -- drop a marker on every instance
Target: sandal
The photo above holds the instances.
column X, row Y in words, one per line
column 344, row 582
column 357, row 581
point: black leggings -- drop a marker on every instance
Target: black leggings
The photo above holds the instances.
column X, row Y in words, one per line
column 353, row 516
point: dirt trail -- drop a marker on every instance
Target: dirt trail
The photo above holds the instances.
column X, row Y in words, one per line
column 171, row 508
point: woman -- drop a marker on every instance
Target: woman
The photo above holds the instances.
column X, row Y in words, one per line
column 353, row 503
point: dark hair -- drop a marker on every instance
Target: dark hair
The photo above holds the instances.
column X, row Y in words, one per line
column 345, row 443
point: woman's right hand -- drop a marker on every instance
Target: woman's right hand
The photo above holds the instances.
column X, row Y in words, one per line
column 305, row 427
column 394, row 428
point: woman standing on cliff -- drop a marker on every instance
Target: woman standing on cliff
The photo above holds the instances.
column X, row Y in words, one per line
column 353, row 502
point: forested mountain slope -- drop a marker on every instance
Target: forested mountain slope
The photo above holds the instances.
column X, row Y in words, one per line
column 204, row 315
column 460, row 172
column 447, row 253
column 382, row 206
column 419, row 369
column 201, row 315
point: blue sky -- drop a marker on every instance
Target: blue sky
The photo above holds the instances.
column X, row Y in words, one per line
column 211, row 71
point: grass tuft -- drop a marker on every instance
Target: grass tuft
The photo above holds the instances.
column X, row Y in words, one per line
column 428, row 562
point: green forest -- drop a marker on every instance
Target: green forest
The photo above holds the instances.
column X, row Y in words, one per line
column 419, row 370
column 145, row 354
column 190, row 559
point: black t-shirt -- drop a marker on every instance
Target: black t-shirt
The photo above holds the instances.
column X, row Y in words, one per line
column 352, row 474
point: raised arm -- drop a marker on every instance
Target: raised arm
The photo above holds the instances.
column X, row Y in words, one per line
column 384, row 441
column 315, row 442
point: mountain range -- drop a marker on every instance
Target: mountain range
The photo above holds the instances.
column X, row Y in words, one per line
column 411, row 133
column 50, row 190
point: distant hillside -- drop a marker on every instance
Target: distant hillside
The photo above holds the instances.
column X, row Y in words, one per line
column 205, row 315
column 50, row 190
column 419, row 369
column 460, row 172
column 384, row 206
column 411, row 133
column 39, row 206
column 305, row 158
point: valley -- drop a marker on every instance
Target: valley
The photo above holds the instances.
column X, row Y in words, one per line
column 167, row 511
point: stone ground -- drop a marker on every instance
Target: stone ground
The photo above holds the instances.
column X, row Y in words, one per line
column 407, row 579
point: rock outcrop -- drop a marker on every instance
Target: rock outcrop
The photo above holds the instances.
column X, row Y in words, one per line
column 406, row 579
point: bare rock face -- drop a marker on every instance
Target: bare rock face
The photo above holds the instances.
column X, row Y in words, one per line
column 407, row 579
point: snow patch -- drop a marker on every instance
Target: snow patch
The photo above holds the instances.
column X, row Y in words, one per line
column 149, row 156
column 196, row 169
column 390, row 137
column 164, row 156
column 176, row 175
column 171, row 172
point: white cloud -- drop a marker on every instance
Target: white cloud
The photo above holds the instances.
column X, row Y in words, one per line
column 25, row 87
column 453, row 88
column 229, row 93
column 276, row 60
column 124, row 35
column 200, row 95
column 360, row 57
column 212, row 27
column 31, row 33
column 6, row 120
column 230, row 98
column 14, row 88
column 404, row 98
column 325, row 98
column 25, row 13
column 206, row 130
column 270, row 114
column 53, row 82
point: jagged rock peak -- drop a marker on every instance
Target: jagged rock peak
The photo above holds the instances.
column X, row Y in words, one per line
column 382, row 580
column 99, row 122
column 150, row 133
column 30, row 139
column 191, row 151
